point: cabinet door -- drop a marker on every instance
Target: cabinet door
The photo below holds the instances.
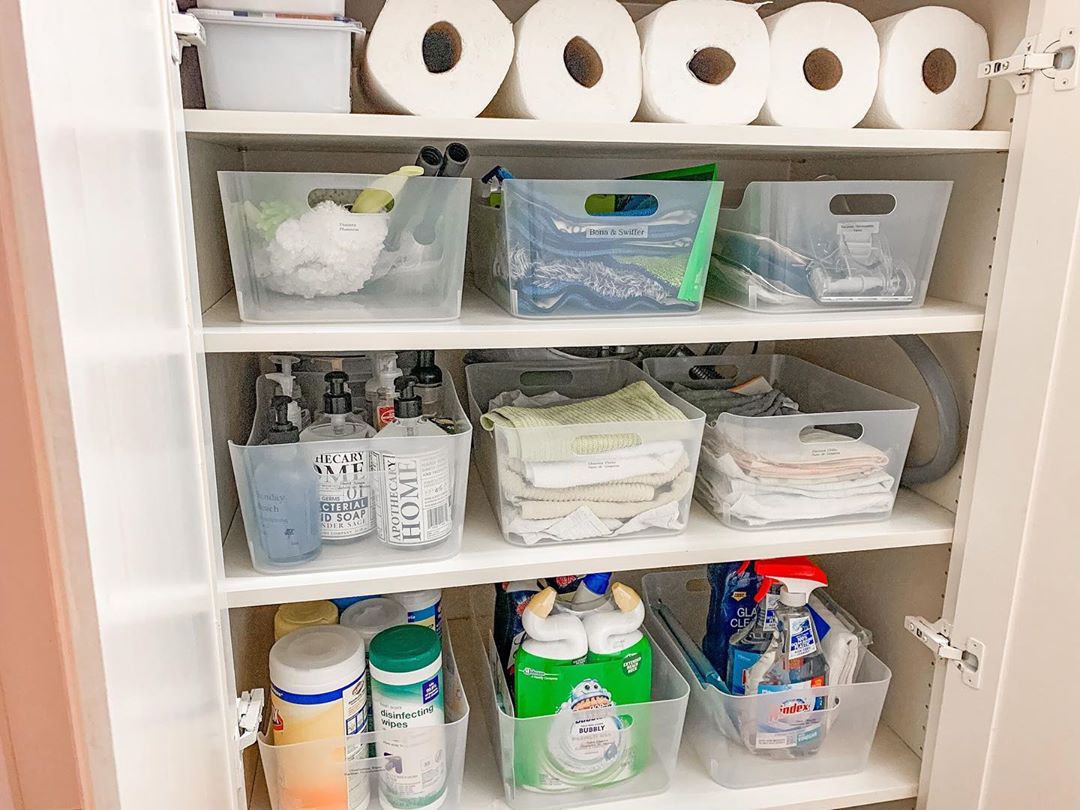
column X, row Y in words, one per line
column 1036, row 261
column 90, row 125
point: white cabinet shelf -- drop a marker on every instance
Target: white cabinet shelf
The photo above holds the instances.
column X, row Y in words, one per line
column 486, row 557
column 501, row 136
column 891, row 775
column 483, row 324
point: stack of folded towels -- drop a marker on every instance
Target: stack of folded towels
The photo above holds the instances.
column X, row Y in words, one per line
column 752, row 478
column 561, row 482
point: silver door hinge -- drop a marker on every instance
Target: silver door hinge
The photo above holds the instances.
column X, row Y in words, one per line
column 937, row 636
column 249, row 709
column 1058, row 61
column 187, row 30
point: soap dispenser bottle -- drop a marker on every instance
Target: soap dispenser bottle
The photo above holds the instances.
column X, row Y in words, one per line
column 429, row 381
column 345, row 507
column 551, row 642
column 793, row 662
column 285, row 495
column 413, row 485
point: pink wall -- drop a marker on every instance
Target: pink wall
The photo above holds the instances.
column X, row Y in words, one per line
column 39, row 765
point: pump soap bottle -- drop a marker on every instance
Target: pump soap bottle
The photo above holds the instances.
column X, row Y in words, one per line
column 344, row 487
column 285, row 495
column 414, row 485
column 429, row 381
column 793, row 663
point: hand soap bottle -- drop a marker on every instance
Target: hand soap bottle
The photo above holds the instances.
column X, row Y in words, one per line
column 429, row 382
column 414, row 484
column 344, row 481
column 285, row 495
column 793, row 662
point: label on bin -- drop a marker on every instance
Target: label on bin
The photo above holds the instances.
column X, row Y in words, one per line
column 617, row 232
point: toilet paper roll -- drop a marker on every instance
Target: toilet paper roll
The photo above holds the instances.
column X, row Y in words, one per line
column 440, row 58
column 825, row 60
column 703, row 62
column 573, row 61
column 929, row 71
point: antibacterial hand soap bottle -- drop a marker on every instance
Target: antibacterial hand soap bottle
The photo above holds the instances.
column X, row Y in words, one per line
column 793, row 664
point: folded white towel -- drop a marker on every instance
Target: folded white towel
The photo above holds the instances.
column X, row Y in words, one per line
column 539, row 510
column 515, row 488
column 761, row 509
column 841, row 650
column 628, row 464
column 740, row 483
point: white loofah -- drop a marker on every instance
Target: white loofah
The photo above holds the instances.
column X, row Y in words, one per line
column 326, row 251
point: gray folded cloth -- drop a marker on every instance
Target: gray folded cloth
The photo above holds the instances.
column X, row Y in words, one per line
column 715, row 401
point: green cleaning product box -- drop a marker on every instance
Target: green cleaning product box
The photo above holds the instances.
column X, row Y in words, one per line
column 576, row 737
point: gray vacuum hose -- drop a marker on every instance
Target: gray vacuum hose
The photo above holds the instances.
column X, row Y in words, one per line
column 946, row 405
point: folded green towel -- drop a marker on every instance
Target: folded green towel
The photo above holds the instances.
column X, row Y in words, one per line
column 638, row 402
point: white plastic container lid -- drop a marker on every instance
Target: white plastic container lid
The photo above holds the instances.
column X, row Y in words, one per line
column 372, row 616
column 278, row 6
column 317, row 660
column 215, row 17
column 415, row 600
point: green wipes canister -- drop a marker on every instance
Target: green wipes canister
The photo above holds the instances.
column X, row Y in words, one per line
column 405, row 663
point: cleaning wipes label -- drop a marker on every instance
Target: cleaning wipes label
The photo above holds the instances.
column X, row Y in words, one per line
column 344, row 495
column 617, row 232
column 413, row 742
column 802, row 643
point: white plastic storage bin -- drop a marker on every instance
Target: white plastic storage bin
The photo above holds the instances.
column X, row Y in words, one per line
column 299, row 255
column 542, row 254
column 804, row 246
column 276, row 64
column 595, row 481
column 838, row 460
column 312, row 7
column 347, row 773
column 724, row 729
column 543, row 766
column 278, row 487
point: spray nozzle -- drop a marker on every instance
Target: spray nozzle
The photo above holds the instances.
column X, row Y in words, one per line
column 797, row 576
column 337, row 399
column 407, row 405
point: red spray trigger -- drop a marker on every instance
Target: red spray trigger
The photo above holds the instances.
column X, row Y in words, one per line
column 766, row 583
column 798, row 575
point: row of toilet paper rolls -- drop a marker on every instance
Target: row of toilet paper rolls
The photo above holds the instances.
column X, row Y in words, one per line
column 816, row 64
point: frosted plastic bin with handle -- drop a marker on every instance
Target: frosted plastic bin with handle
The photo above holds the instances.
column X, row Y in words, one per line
column 595, row 248
column 723, row 728
column 813, row 245
column 300, row 255
column 344, row 774
column 580, row 482
column 276, row 63
column 838, row 460
column 543, row 769
column 270, row 477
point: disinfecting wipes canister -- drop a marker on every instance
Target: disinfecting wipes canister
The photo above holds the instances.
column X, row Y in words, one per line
column 424, row 607
column 407, row 703
column 319, row 692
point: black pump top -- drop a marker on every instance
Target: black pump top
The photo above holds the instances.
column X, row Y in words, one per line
column 407, row 405
column 337, row 398
column 426, row 372
column 282, row 431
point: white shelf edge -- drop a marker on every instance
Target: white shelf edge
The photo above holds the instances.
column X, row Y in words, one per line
column 270, row 129
column 486, row 557
column 892, row 773
column 484, row 324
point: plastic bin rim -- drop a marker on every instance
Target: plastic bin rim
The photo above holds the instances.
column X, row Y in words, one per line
column 373, row 175
column 215, row 16
column 713, row 689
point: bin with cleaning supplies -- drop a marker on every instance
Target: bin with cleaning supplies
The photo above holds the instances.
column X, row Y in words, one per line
column 788, row 443
column 590, row 451
column 825, row 244
column 312, row 248
column 594, row 248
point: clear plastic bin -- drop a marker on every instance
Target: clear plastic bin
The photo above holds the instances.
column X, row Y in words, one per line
column 275, row 64
column 279, row 483
column 544, row 255
column 345, row 774
column 300, row 256
column 838, row 460
column 642, row 489
column 805, row 246
column 649, row 735
column 723, row 728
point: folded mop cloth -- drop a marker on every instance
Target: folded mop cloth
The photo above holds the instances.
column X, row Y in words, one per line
column 653, row 464
column 540, row 510
column 634, row 488
column 529, row 430
column 715, row 401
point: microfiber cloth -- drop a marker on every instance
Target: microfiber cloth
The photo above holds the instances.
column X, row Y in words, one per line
column 653, row 464
column 540, row 510
column 637, row 402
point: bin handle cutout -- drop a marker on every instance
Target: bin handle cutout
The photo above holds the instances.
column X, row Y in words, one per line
column 541, row 379
column 345, row 197
column 696, row 585
column 621, row 205
column 845, row 432
column 862, row 205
